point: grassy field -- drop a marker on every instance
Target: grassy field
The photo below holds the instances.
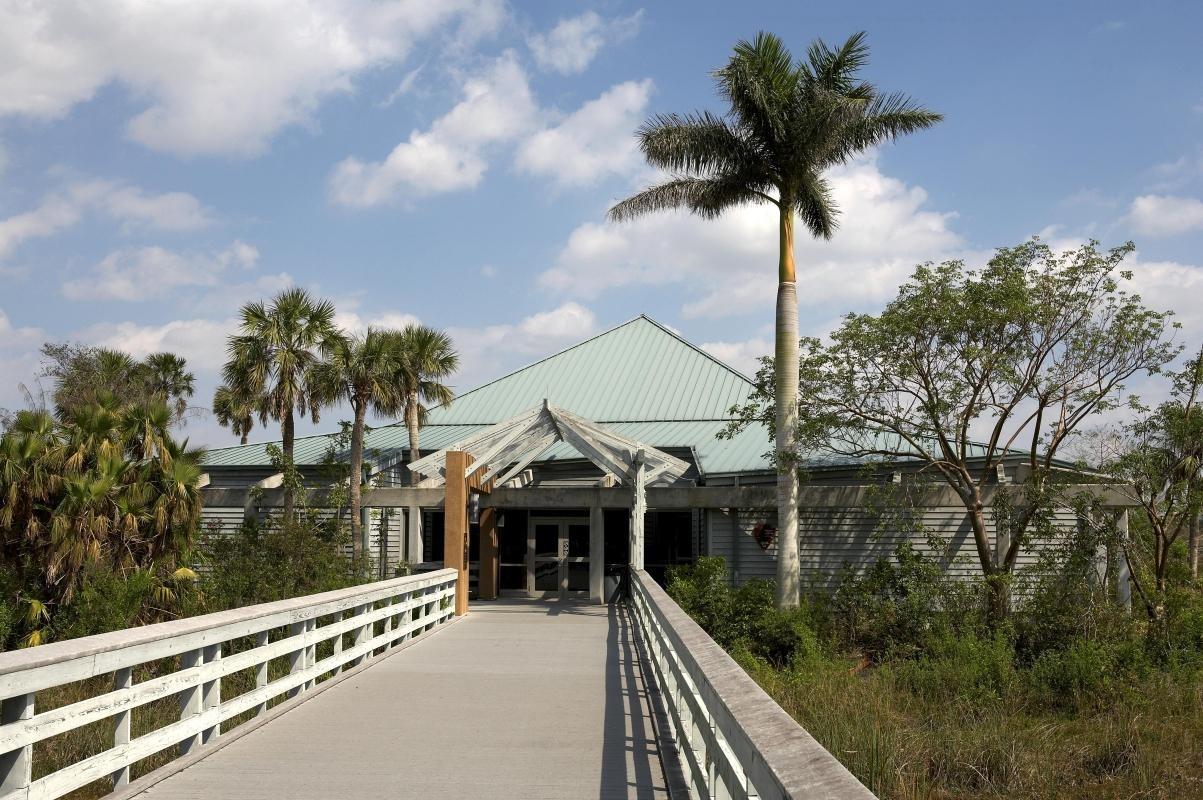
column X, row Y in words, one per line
column 1147, row 743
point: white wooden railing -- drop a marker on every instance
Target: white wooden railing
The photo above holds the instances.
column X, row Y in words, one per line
column 374, row 617
column 734, row 741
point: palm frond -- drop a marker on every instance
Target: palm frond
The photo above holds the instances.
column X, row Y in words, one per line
column 707, row 197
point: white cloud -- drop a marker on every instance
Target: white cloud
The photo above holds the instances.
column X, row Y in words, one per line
column 145, row 273
column 594, row 141
column 743, row 355
column 216, row 76
column 18, row 361
column 353, row 322
column 201, row 341
column 1165, row 215
column 885, row 230
column 572, row 44
column 497, row 106
column 130, row 205
column 490, row 351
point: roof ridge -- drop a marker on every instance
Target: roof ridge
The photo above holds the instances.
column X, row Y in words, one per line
column 546, row 358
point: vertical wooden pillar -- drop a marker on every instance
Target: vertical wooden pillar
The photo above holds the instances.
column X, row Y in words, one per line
column 597, row 554
column 638, row 512
column 455, row 526
column 488, row 554
column 16, row 766
column 413, row 536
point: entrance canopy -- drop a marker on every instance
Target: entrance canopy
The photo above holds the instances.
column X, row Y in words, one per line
column 503, row 451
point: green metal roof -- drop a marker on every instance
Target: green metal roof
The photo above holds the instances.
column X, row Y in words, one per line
column 639, row 378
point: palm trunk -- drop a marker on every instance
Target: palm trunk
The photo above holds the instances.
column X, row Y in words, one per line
column 356, row 479
column 287, row 434
column 411, row 422
column 786, row 375
column 243, row 439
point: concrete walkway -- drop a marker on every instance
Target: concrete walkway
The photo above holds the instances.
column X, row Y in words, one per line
column 520, row 699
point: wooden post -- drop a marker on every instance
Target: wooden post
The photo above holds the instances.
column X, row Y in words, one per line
column 1123, row 577
column 488, row 554
column 261, row 640
column 122, row 679
column 191, row 700
column 296, row 658
column 455, row 526
column 211, row 693
column 638, row 512
column 597, row 554
column 16, row 766
column 413, row 535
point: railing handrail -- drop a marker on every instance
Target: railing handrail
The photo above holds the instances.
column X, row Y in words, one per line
column 55, row 653
column 777, row 755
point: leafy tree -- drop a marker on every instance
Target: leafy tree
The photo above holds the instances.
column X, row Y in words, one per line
column 360, row 370
column 1157, row 460
column 270, row 360
column 427, row 358
column 788, row 121
column 235, row 411
column 108, row 488
column 966, row 368
column 83, row 375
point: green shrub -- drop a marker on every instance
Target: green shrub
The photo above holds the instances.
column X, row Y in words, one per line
column 746, row 620
column 274, row 561
column 895, row 606
column 961, row 669
column 1087, row 673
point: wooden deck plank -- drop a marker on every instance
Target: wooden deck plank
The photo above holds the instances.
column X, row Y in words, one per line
column 521, row 699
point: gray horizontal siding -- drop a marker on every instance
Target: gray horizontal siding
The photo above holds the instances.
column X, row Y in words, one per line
column 832, row 540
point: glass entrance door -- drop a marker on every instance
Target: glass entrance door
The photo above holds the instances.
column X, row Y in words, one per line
column 557, row 557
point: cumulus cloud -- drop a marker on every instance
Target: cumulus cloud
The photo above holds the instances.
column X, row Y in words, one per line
column 490, row 351
column 570, row 46
column 885, row 230
column 354, row 322
column 743, row 355
column 146, row 273
column 593, row 142
column 1165, row 215
column 216, row 76
column 496, row 106
column 131, row 206
column 201, row 341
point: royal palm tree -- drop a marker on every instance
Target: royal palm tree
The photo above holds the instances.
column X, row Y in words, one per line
column 235, row 411
column 270, row 359
column 787, row 122
column 362, row 371
column 427, row 358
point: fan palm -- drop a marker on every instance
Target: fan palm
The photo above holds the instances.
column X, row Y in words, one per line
column 167, row 378
column 427, row 357
column 234, row 410
column 360, row 370
column 788, row 121
column 270, row 360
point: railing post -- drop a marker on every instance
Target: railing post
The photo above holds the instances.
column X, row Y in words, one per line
column 406, row 617
column 122, row 679
column 211, row 694
column 261, row 640
column 311, row 654
column 296, row 658
column 360, row 635
column 190, row 700
column 16, row 766
column 386, row 627
column 338, row 641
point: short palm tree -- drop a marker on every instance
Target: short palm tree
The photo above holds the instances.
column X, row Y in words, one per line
column 235, row 411
column 427, row 358
column 362, row 371
column 788, row 121
column 270, row 359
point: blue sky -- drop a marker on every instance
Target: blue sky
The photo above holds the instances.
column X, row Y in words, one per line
column 453, row 162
